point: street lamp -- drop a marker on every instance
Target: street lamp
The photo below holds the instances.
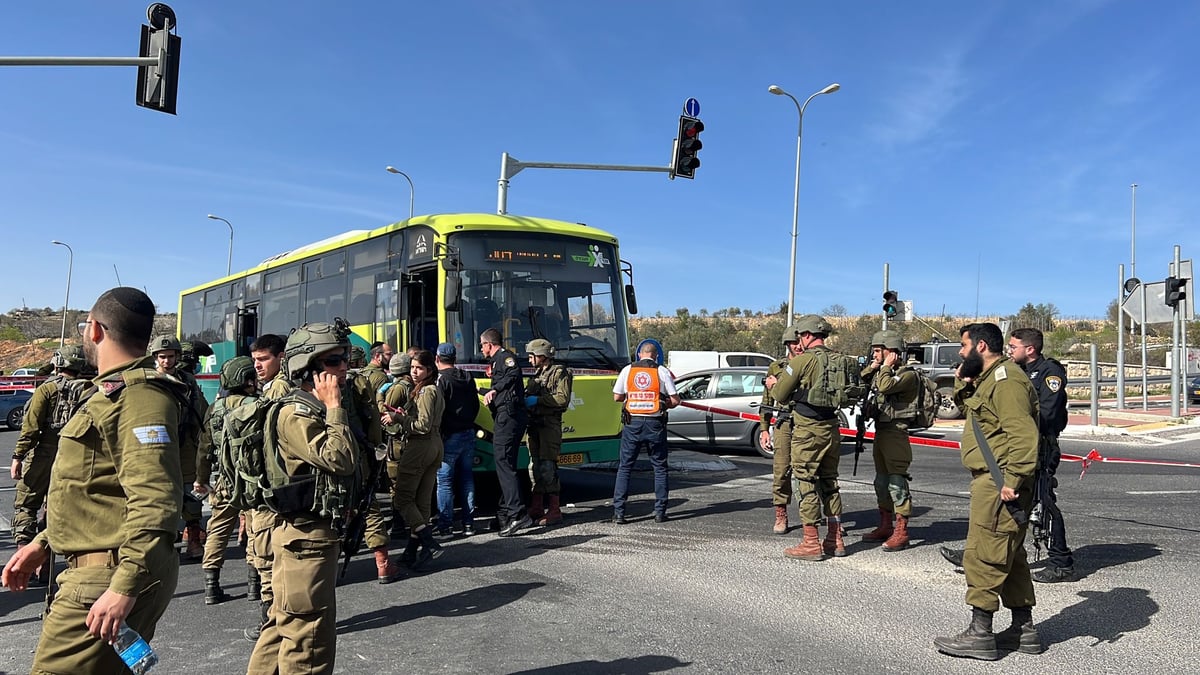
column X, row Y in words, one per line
column 229, row 262
column 62, row 338
column 411, row 190
column 778, row 91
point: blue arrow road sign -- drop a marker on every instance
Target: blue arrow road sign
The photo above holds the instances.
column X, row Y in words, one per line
column 691, row 107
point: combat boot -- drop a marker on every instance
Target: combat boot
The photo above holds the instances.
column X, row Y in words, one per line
column 253, row 584
column 553, row 512
column 386, row 570
column 536, row 510
column 884, row 531
column 809, row 548
column 976, row 642
column 213, row 593
column 833, row 544
column 410, row 552
column 1022, row 635
column 781, row 520
column 195, row 544
column 429, row 549
column 252, row 633
column 899, row 539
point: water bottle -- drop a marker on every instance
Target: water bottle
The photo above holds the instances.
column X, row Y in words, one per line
column 137, row 654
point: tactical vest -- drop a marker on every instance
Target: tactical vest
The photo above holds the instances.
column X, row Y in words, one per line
column 71, row 396
column 838, row 382
column 311, row 490
column 642, row 385
column 891, row 407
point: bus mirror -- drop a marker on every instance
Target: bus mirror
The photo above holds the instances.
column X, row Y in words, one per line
column 631, row 299
column 452, row 301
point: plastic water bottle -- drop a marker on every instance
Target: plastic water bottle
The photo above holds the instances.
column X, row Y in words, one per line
column 137, row 654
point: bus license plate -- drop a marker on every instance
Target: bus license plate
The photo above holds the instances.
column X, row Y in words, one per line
column 572, row 458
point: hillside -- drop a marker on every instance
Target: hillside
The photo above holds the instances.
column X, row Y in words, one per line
column 28, row 338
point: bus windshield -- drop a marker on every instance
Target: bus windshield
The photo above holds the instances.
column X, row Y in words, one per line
column 561, row 289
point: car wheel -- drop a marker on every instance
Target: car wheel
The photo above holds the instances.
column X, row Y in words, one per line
column 14, row 418
column 756, row 439
column 947, row 408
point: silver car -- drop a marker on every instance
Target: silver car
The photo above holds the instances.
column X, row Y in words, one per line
column 715, row 407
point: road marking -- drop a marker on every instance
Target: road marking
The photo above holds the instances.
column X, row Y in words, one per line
column 1163, row 492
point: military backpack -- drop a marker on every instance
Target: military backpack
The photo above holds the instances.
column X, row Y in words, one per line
column 838, row 381
column 928, row 401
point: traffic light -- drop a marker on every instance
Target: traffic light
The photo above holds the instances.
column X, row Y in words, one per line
column 158, row 85
column 687, row 146
column 1176, row 291
column 891, row 305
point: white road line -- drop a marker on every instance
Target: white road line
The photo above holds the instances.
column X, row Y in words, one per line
column 1163, row 492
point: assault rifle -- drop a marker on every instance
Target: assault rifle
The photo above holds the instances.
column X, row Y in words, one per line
column 357, row 527
column 1041, row 519
column 866, row 408
column 771, row 413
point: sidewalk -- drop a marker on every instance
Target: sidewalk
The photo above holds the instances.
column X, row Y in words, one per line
column 1111, row 420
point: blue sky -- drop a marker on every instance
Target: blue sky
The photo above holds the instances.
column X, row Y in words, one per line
column 984, row 149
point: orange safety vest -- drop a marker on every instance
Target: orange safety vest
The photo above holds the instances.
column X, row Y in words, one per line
column 642, row 391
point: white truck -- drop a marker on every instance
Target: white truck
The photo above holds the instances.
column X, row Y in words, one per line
column 683, row 362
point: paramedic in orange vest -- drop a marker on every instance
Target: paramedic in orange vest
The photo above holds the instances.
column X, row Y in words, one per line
column 647, row 390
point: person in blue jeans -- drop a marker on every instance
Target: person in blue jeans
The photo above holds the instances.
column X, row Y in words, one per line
column 458, row 441
column 646, row 390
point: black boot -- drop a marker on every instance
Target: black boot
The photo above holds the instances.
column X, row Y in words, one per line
column 1022, row 635
column 253, row 585
column 429, row 548
column 252, row 633
column 213, row 594
column 976, row 642
column 409, row 556
column 954, row 556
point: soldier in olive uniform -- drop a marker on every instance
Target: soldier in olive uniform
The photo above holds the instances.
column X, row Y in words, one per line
column 390, row 397
column 52, row 404
column 781, row 440
column 115, row 494
column 894, row 390
column 419, row 424
column 1001, row 406
column 816, row 438
column 238, row 385
column 267, row 353
column 547, row 396
column 313, row 438
column 362, row 387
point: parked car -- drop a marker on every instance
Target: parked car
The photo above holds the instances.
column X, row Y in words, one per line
column 737, row 390
column 12, row 406
column 1194, row 390
column 25, row 372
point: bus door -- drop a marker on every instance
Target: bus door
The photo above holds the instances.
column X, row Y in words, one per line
column 388, row 326
column 246, row 329
column 419, row 308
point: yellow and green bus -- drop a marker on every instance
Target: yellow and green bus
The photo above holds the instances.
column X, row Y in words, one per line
column 446, row 278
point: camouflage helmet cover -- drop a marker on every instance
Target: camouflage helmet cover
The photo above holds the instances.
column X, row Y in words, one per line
column 540, row 347
column 237, row 373
column 162, row 343
column 789, row 335
column 401, row 364
column 888, row 339
column 313, row 339
column 813, row 323
column 69, row 358
column 358, row 357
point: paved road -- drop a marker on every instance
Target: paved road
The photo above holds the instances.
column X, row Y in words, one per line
column 711, row 592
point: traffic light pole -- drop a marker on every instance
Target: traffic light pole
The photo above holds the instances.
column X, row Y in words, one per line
column 511, row 166
column 1120, row 337
column 885, row 290
column 1175, row 320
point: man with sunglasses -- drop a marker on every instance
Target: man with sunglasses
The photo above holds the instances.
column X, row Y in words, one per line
column 115, row 494
column 317, row 450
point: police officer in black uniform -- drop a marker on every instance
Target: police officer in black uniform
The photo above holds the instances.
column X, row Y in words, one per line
column 506, row 400
column 1050, row 380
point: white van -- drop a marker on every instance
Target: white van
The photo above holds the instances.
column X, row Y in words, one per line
column 683, row 362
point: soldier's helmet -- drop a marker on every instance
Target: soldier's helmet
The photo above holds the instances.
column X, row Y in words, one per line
column 190, row 353
column 358, row 357
column 69, row 358
column 540, row 347
column 162, row 343
column 313, row 339
column 789, row 335
column 888, row 339
column 813, row 323
column 237, row 373
column 400, row 365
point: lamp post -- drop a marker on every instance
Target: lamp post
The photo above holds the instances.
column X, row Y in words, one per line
column 411, row 190
column 778, row 91
column 229, row 262
column 62, row 338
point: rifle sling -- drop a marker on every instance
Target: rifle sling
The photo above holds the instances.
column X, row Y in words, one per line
column 1014, row 509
